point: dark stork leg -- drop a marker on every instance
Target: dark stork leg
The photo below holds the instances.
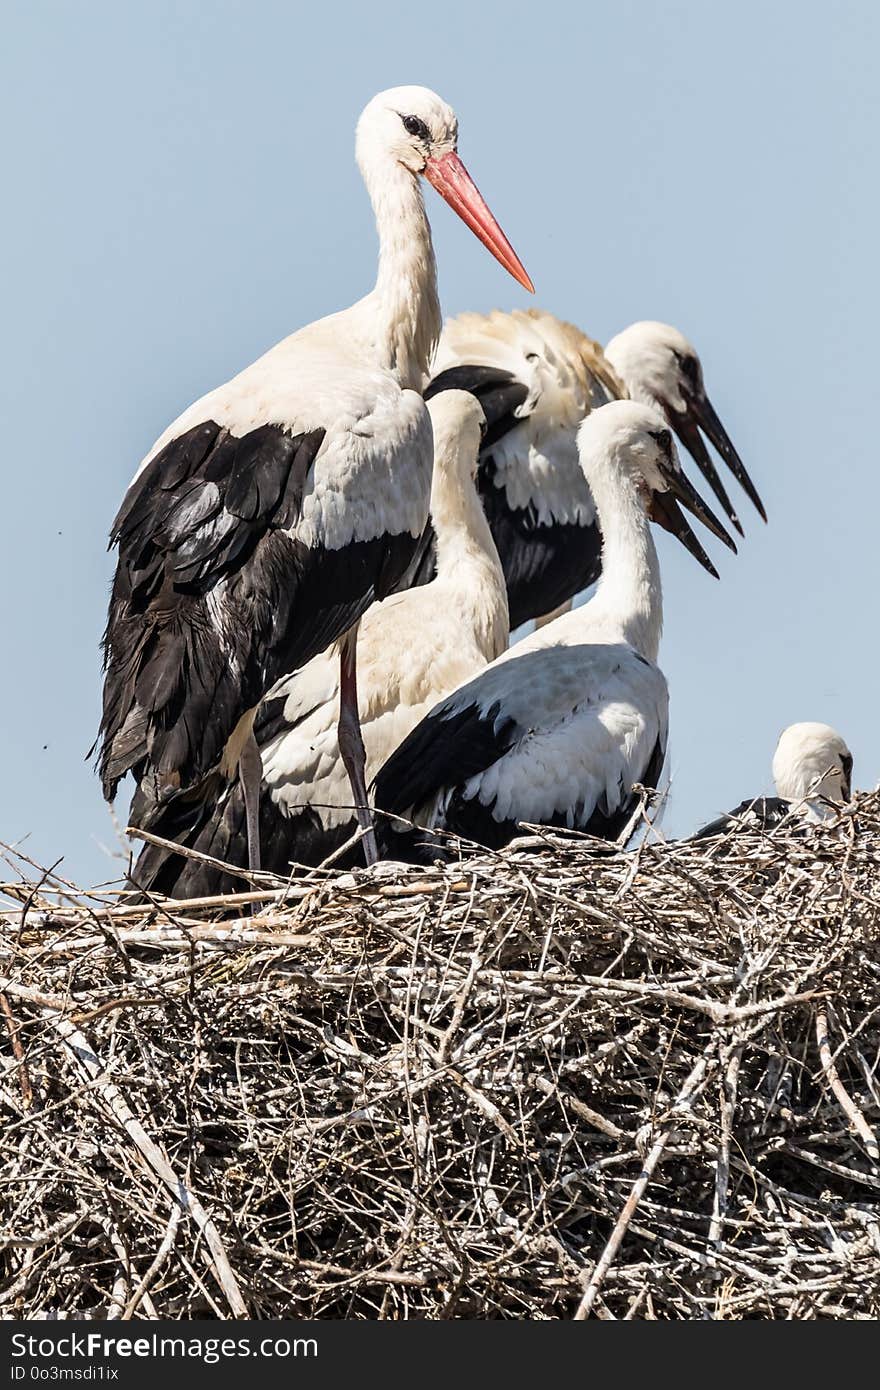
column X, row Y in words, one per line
column 250, row 772
column 351, row 743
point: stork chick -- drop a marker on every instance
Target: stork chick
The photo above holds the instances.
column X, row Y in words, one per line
column 559, row 728
column 658, row 365
column 812, row 770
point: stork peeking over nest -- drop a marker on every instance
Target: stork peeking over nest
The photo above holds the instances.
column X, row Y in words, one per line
column 413, row 648
column 274, row 510
column 812, row 770
column 536, row 378
column 559, row 728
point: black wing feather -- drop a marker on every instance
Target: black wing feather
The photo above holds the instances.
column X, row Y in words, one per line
column 471, row 819
column 765, row 812
column 500, row 394
column 179, row 460
column 452, row 743
column 214, row 822
column 213, row 601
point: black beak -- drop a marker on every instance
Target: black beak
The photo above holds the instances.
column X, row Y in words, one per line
column 683, row 490
column 685, row 425
column 699, row 413
column 718, row 436
column 665, row 510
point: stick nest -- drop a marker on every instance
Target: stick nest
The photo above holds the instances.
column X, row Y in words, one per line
column 560, row 1081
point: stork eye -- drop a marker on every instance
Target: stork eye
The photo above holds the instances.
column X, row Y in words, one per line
column 416, row 127
column 690, row 370
column 663, row 440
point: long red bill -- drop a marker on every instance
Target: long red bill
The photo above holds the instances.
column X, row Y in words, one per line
column 452, row 181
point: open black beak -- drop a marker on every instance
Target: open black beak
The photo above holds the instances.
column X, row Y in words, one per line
column 683, row 490
column 699, row 413
column 685, row 425
column 665, row 510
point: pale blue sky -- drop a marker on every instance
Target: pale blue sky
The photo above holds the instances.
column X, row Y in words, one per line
column 181, row 193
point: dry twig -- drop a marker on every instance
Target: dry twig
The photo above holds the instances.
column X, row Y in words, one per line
column 423, row 1094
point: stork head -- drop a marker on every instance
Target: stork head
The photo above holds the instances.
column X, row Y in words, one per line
column 634, row 441
column 813, row 764
column 416, row 129
column 459, row 425
column 658, row 366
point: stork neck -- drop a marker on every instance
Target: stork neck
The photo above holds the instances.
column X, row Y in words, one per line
column 468, row 567
column 630, row 588
column 406, row 306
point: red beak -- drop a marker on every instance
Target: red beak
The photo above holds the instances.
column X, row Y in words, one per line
column 454, row 184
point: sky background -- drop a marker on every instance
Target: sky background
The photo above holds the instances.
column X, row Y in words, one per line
column 180, row 193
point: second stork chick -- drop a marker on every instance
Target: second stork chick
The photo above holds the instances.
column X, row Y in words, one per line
column 560, row 727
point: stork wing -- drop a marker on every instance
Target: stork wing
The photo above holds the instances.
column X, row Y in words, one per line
column 555, row 736
column 241, row 557
column 198, row 509
column 761, row 813
column 191, row 522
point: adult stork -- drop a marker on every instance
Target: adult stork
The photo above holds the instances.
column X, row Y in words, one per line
column 413, row 648
column 559, row 728
column 536, row 378
column 275, row 509
column 812, row 771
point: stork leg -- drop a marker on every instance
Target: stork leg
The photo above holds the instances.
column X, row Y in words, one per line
column 351, row 743
column 250, row 772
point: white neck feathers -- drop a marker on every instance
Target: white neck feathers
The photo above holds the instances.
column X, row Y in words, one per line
column 629, row 593
column 404, row 308
column 469, row 572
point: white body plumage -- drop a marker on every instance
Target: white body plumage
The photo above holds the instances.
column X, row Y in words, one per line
column 812, row 769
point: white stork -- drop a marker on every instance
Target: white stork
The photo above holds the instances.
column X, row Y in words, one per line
column 559, row 728
column 812, row 770
column 275, row 509
column 413, row 648
column 536, row 378
column 658, row 366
